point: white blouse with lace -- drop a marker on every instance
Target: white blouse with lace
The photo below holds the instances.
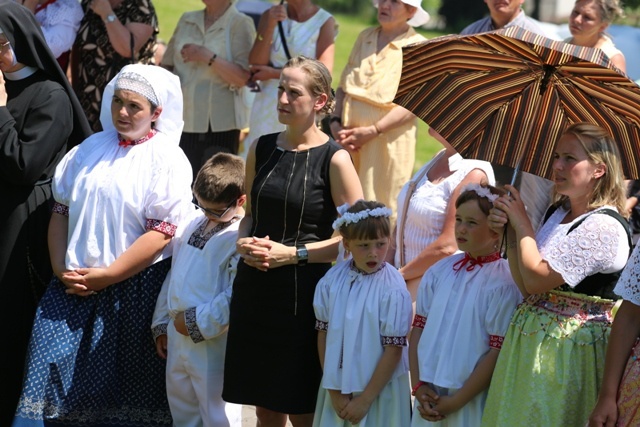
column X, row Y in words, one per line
column 59, row 22
column 598, row 245
column 628, row 286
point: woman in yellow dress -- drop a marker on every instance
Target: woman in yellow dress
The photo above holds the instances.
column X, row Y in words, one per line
column 379, row 134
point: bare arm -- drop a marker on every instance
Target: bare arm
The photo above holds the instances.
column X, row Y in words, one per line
column 477, row 382
column 355, row 137
column 534, row 272
column 359, row 405
column 624, row 332
column 325, row 45
column 141, row 254
column 322, row 346
column 445, row 244
column 261, row 50
column 120, row 34
column 620, row 62
column 230, row 72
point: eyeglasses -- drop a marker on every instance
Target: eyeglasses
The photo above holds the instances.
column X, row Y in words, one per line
column 4, row 45
column 213, row 213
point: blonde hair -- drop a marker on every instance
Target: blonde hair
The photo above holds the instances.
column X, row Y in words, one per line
column 319, row 80
column 609, row 9
column 610, row 188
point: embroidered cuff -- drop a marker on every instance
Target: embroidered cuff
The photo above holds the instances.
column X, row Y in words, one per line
column 394, row 341
column 61, row 209
column 322, row 326
column 495, row 341
column 419, row 321
column 192, row 326
column 158, row 330
column 161, row 226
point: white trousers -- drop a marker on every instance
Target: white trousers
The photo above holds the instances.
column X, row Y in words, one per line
column 194, row 382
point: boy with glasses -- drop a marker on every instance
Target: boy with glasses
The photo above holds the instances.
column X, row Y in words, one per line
column 192, row 312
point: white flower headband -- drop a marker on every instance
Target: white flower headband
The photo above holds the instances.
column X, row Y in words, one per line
column 347, row 218
column 481, row 191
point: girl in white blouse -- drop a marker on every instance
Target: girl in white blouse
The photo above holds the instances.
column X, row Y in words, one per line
column 363, row 313
column 426, row 211
column 464, row 305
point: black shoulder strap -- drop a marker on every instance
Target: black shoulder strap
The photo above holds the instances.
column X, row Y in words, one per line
column 614, row 214
column 549, row 212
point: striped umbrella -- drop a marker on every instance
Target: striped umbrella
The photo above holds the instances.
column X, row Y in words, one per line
column 506, row 96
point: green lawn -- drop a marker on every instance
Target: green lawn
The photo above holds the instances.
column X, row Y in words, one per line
column 349, row 27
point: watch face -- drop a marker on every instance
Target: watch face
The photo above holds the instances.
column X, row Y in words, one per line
column 111, row 18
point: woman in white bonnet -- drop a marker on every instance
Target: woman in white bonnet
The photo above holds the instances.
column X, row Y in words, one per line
column 119, row 197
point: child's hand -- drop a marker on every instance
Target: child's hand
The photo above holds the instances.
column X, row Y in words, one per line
column 180, row 324
column 339, row 400
column 427, row 398
column 161, row 346
column 446, row 405
column 355, row 410
column 605, row 414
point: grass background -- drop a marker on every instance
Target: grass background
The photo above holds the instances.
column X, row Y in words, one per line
column 169, row 12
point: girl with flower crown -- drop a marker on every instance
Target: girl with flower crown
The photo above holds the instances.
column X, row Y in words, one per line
column 363, row 312
column 464, row 305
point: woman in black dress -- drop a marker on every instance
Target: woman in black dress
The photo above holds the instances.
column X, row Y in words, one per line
column 295, row 180
column 40, row 119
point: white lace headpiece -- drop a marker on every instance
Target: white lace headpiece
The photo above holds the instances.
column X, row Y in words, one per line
column 347, row 218
column 481, row 191
column 136, row 83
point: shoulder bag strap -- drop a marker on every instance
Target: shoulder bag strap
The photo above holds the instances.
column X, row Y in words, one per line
column 283, row 38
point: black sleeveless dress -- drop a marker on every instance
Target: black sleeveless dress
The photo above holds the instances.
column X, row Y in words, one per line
column 272, row 356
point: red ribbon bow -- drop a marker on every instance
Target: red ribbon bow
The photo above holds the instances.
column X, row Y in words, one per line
column 472, row 262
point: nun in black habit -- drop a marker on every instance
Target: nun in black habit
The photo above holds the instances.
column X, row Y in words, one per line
column 40, row 119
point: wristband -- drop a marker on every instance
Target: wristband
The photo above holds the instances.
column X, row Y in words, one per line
column 416, row 387
column 213, row 59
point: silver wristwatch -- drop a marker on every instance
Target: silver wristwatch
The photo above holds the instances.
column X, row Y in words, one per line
column 302, row 255
column 110, row 18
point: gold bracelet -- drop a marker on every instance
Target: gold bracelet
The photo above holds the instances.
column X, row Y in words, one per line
column 375, row 125
column 260, row 38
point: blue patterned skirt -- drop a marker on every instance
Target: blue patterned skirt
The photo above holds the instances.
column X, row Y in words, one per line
column 92, row 360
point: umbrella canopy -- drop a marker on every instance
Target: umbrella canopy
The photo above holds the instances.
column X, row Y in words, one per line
column 506, row 96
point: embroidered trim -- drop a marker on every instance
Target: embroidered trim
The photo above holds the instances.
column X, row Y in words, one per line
column 199, row 240
column 495, row 341
column 322, row 326
column 419, row 321
column 61, row 209
column 162, row 227
column 394, row 341
column 127, row 142
column 353, row 267
column 192, row 325
column 158, row 330
column 480, row 261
